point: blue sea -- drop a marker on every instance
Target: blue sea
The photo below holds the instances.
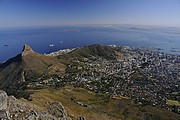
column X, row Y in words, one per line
column 40, row 38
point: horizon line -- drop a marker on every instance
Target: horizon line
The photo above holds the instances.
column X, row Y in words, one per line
column 59, row 25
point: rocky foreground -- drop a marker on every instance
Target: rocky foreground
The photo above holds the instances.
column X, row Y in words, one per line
column 12, row 108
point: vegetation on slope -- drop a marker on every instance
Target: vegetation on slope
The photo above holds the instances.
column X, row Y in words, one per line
column 27, row 67
column 81, row 102
column 173, row 102
column 91, row 51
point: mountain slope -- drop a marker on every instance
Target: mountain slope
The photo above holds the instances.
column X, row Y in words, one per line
column 96, row 50
column 26, row 67
column 96, row 106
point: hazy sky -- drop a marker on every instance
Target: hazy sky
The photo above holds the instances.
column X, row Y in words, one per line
column 60, row 12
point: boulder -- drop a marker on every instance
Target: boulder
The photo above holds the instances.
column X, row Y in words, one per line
column 57, row 110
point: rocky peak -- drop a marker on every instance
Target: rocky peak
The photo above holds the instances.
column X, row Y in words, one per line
column 27, row 50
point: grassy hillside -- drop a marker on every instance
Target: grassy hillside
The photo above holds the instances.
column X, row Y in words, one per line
column 93, row 50
column 98, row 106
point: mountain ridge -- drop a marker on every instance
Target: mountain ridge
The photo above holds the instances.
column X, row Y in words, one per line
column 27, row 66
column 95, row 50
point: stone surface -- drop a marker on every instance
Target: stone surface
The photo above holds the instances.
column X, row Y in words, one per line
column 57, row 109
column 4, row 115
column 27, row 50
column 3, row 100
column 3, row 106
column 22, row 110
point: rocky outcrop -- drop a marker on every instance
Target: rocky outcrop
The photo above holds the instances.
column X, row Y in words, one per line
column 3, row 100
column 57, row 109
column 3, row 106
column 12, row 108
column 27, row 50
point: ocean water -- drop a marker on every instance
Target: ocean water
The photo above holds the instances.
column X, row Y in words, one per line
column 12, row 40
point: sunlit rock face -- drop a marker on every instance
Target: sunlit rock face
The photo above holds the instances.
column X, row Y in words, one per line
column 27, row 50
column 14, row 109
column 3, row 106
column 3, row 100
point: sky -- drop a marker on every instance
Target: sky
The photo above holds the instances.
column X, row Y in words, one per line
column 17, row 13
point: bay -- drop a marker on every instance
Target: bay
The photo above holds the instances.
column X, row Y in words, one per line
column 49, row 39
